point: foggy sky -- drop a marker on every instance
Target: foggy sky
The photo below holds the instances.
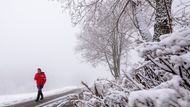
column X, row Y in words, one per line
column 35, row 33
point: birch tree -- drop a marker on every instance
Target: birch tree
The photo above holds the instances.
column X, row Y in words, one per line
column 104, row 42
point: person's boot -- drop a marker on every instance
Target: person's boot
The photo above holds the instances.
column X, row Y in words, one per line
column 38, row 96
column 36, row 100
column 41, row 98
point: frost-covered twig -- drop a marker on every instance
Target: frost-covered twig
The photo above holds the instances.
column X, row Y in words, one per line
column 124, row 89
column 165, row 68
column 169, row 66
column 87, row 87
column 134, row 82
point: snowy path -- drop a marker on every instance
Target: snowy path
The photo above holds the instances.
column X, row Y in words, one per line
column 51, row 101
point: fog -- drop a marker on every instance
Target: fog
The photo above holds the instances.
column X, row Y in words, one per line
column 35, row 33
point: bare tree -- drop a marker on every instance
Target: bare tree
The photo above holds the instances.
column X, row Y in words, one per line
column 135, row 12
column 106, row 25
column 102, row 44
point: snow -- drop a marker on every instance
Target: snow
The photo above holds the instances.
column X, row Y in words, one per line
column 174, row 45
column 170, row 43
column 181, row 59
column 6, row 100
column 178, row 38
column 158, row 98
column 173, row 83
column 163, row 95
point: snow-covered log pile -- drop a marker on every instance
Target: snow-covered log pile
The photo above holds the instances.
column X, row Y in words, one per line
column 163, row 80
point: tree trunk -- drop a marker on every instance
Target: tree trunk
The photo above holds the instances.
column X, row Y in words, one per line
column 116, row 53
column 163, row 19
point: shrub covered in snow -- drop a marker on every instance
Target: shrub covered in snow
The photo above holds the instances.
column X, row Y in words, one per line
column 163, row 80
column 167, row 94
column 170, row 55
column 165, row 73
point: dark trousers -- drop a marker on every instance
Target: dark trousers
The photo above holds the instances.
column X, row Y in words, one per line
column 40, row 94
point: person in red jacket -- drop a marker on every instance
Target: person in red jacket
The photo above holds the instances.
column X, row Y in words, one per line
column 40, row 78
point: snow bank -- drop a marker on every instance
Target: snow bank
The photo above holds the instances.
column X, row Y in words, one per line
column 7, row 100
column 165, row 95
column 156, row 98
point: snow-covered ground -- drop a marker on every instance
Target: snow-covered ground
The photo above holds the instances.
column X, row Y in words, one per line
column 6, row 100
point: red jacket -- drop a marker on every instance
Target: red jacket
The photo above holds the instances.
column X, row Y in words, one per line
column 40, row 79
